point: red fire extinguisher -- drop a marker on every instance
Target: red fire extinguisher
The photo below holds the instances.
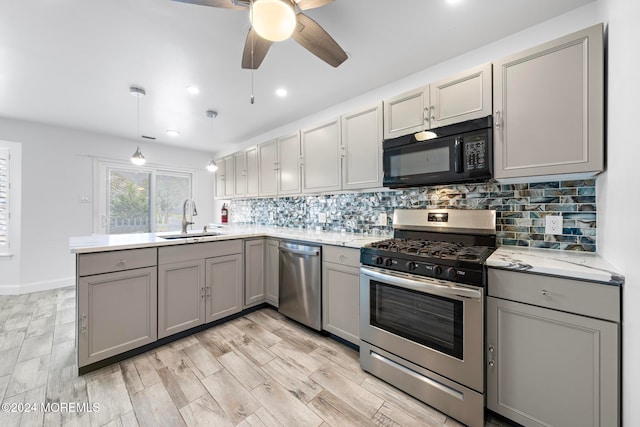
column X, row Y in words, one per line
column 224, row 214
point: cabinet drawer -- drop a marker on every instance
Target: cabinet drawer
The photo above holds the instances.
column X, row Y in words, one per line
column 180, row 253
column 573, row 296
column 105, row 262
column 341, row 255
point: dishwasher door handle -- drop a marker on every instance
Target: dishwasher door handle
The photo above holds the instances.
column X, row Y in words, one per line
column 299, row 251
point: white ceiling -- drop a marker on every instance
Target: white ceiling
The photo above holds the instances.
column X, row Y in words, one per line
column 70, row 62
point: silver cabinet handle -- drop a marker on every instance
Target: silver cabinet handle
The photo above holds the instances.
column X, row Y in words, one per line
column 83, row 324
column 545, row 293
column 342, row 258
column 425, row 115
column 498, row 119
column 202, row 292
column 432, row 110
column 123, row 262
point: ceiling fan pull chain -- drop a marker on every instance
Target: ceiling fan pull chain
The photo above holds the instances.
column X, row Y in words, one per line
column 252, row 68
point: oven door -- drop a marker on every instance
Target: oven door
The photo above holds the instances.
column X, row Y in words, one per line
column 438, row 325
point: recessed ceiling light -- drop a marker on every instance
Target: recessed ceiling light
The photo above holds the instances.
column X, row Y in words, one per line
column 193, row 90
column 281, row 92
column 172, row 132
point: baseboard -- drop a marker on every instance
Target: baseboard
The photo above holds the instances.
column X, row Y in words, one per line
column 25, row 288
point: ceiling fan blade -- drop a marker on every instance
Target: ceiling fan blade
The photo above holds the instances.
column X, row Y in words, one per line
column 311, row 4
column 260, row 48
column 312, row 37
column 227, row 4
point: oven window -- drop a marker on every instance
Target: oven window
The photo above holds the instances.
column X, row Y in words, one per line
column 419, row 162
column 430, row 320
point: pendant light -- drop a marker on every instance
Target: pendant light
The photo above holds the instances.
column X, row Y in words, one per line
column 137, row 158
column 211, row 166
column 273, row 20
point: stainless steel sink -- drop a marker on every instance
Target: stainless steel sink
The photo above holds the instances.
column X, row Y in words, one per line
column 189, row 235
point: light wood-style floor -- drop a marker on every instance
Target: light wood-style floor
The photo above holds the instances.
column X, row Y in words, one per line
column 258, row 370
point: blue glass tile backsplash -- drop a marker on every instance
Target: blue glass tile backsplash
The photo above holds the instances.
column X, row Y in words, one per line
column 521, row 209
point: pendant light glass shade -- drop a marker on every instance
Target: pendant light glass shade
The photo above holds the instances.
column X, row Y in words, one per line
column 211, row 166
column 273, row 20
column 137, row 158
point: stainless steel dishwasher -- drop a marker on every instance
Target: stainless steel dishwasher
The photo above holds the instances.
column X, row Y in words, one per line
column 300, row 285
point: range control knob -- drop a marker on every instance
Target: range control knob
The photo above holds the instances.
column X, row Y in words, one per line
column 412, row 265
column 452, row 274
column 388, row 262
column 377, row 260
column 437, row 270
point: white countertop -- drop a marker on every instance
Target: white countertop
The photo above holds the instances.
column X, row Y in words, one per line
column 568, row 264
column 112, row 242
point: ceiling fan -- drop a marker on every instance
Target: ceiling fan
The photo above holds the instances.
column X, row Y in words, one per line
column 276, row 20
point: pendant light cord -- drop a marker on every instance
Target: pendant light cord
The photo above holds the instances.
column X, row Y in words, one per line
column 138, row 98
column 252, row 67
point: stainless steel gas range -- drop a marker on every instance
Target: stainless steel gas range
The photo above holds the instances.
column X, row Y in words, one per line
column 422, row 307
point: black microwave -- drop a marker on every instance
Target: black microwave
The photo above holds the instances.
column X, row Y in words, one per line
column 458, row 153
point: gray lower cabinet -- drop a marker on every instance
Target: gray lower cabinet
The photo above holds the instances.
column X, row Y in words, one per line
column 117, row 303
column 272, row 272
column 181, row 296
column 341, row 292
column 198, row 283
column 547, row 367
column 224, row 280
column 254, row 262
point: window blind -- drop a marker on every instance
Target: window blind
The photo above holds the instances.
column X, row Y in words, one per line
column 4, row 199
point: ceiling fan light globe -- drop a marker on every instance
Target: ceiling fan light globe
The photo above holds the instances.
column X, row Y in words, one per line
column 273, row 20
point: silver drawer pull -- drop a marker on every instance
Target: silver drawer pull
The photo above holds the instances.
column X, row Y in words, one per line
column 545, row 293
column 123, row 262
column 83, row 324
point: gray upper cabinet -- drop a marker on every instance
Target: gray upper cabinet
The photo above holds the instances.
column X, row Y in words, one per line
column 289, row 164
column 268, row 168
column 252, row 171
column 549, row 108
column 229, row 176
column 220, row 179
column 553, row 350
column 362, row 148
column 240, row 180
column 254, row 272
column 117, row 303
column 464, row 96
column 321, row 158
column 405, row 113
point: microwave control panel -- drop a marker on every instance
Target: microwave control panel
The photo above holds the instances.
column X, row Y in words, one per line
column 475, row 154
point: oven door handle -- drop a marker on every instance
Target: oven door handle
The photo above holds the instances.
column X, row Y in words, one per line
column 422, row 285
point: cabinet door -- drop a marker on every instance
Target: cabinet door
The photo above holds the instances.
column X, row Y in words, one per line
column 229, row 176
column 224, row 280
column 362, row 148
column 220, row 179
column 464, row 96
column 117, row 312
column 252, row 171
column 405, row 113
column 549, row 108
column 547, row 367
column 289, row 164
column 240, row 180
column 321, row 157
column 272, row 269
column 268, row 167
column 181, row 292
column 254, row 272
column 341, row 301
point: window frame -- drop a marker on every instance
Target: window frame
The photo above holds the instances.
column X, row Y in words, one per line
column 5, row 248
column 102, row 167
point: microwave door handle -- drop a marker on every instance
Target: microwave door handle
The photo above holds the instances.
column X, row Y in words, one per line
column 457, row 155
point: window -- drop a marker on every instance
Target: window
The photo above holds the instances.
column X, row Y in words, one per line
column 141, row 200
column 4, row 200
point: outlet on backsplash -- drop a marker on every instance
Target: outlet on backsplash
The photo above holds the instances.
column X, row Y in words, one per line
column 553, row 224
column 382, row 218
column 322, row 217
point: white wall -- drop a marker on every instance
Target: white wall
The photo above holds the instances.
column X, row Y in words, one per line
column 57, row 169
column 617, row 194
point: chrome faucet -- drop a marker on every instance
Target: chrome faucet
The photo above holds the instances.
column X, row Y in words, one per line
column 193, row 212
